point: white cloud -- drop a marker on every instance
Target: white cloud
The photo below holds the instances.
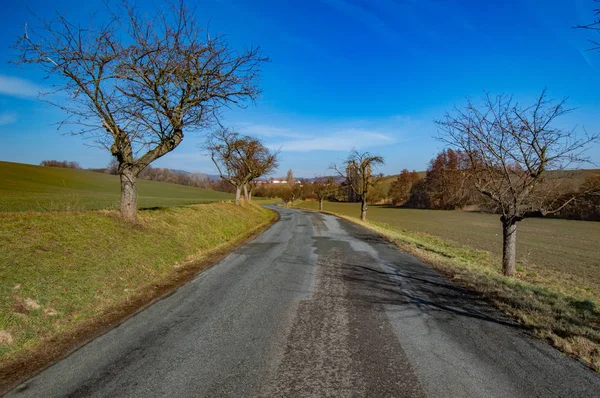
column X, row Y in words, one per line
column 7, row 118
column 17, row 87
column 342, row 140
column 262, row 130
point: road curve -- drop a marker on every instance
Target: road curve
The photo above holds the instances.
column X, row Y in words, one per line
column 316, row 306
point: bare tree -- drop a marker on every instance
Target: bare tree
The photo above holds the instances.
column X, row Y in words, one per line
column 593, row 26
column 358, row 172
column 134, row 83
column 239, row 159
column 284, row 191
column 322, row 187
column 112, row 167
column 296, row 187
column 510, row 150
column 249, row 189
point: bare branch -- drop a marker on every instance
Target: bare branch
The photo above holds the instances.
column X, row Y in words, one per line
column 135, row 83
column 511, row 148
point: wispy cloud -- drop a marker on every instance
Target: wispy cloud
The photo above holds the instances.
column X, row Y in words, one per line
column 339, row 136
column 586, row 57
column 7, row 118
column 17, row 87
column 262, row 130
column 342, row 140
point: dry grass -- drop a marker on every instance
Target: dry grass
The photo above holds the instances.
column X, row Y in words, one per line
column 567, row 249
column 60, row 272
column 560, row 305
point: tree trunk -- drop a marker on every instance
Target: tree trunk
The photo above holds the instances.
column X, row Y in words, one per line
column 363, row 209
column 246, row 194
column 509, row 248
column 128, row 195
column 238, row 194
column 321, row 204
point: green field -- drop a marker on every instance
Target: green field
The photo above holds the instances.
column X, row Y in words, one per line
column 34, row 188
column 565, row 246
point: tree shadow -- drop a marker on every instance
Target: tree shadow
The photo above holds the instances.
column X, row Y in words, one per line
column 153, row 208
column 420, row 288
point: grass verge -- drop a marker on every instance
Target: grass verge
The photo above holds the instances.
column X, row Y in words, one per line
column 553, row 308
column 67, row 277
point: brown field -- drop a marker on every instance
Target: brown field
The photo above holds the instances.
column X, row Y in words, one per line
column 556, row 294
column 565, row 246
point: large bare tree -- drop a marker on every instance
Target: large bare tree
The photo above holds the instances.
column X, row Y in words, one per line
column 239, row 159
column 322, row 187
column 357, row 170
column 134, row 83
column 511, row 148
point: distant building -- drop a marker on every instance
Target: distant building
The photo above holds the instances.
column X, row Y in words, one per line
column 277, row 180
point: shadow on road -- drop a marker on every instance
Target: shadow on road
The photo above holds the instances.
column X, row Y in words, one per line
column 428, row 291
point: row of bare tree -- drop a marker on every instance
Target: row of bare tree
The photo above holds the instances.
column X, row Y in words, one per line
column 135, row 83
column 514, row 157
column 175, row 177
column 65, row 164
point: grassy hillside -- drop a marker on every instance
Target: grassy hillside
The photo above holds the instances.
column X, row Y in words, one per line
column 65, row 274
column 386, row 181
column 35, row 188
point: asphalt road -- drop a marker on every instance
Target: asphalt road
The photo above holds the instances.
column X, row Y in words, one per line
column 316, row 306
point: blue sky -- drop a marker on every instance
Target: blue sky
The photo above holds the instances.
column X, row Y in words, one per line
column 344, row 74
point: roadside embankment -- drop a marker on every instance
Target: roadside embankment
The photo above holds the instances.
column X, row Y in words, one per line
column 68, row 276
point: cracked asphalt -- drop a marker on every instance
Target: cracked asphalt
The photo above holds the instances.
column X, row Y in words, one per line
column 316, row 307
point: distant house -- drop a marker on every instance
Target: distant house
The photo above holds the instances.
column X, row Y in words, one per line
column 279, row 180
column 274, row 180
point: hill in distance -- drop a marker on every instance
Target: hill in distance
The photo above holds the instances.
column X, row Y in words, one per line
column 26, row 187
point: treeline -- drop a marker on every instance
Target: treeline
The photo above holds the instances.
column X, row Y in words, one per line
column 60, row 163
column 175, row 177
column 449, row 184
column 198, row 180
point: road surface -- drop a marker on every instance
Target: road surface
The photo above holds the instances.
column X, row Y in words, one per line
column 313, row 307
